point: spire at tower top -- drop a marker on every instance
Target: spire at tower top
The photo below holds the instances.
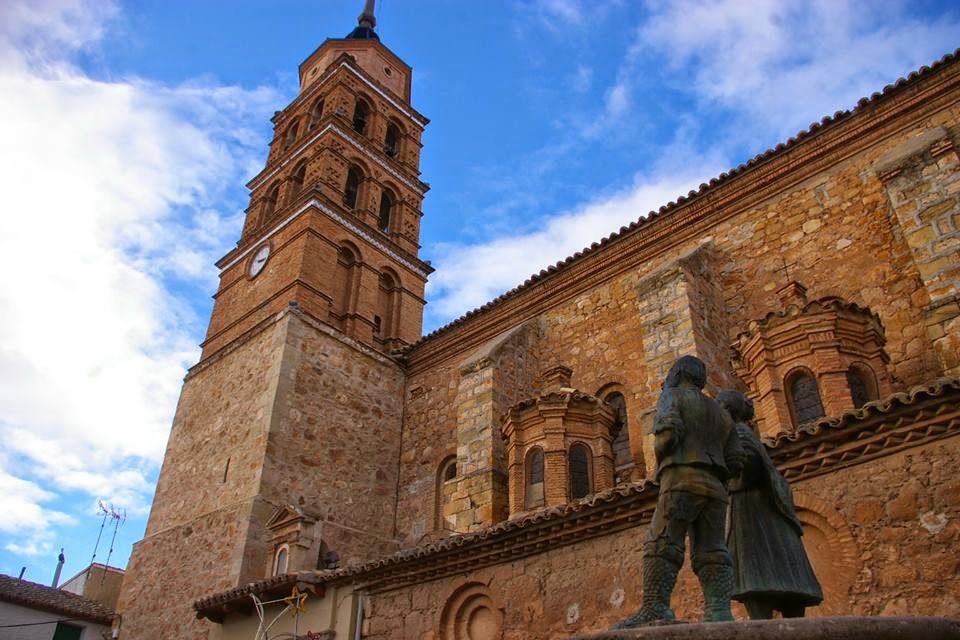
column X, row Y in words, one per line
column 365, row 24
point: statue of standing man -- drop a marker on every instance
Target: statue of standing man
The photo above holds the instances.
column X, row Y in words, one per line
column 697, row 449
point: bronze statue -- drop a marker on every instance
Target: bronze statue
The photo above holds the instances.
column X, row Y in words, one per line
column 771, row 568
column 697, row 449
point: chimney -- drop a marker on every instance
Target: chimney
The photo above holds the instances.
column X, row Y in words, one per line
column 556, row 378
column 56, row 574
column 792, row 293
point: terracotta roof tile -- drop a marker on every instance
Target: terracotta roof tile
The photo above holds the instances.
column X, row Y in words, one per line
column 882, row 406
column 826, row 303
column 645, row 489
column 451, row 543
column 64, row 603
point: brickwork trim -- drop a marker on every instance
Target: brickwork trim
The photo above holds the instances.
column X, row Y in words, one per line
column 345, row 63
column 934, row 407
column 418, row 267
column 877, row 429
column 420, row 188
column 822, row 145
column 316, row 323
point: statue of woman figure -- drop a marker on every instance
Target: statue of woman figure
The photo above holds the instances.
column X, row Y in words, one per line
column 771, row 568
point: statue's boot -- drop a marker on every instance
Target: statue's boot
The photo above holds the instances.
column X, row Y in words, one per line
column 716, row 580
column 659, row 577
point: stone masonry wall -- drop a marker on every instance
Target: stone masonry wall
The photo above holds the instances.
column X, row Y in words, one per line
column 835, row 232
column 497, row 376
column 303, row 419
column 216, row 445
column 883, row 536
column 168, row 571
column 429, row 437
column 923, row 183
column 199, row 523
column 334, row 441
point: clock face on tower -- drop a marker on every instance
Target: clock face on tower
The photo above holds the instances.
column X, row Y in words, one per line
column 259, row 260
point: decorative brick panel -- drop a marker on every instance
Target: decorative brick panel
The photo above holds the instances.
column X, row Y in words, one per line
column 827, row 338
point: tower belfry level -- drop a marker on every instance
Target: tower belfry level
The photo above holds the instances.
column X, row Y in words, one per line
column 295, row 403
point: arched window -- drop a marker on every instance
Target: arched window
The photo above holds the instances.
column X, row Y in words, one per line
column 280, row 561
column 386, row 208
column 352, row 189
column 345, row 276
column 578, row 467
column 533, row 496
column 391, row 143
column 316, row 114
column 804, row 396
column 297, row 179
column 446, row 473
column 862, row 385
column 361, row 113
column 270, row 202
column 386, row 303
column 291, row 135
column 449, row 470
column 621, row 432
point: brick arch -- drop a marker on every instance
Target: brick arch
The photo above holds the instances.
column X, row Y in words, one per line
column 627, row 447
column 394, row 148
column 297, row 179
column 832, row 550
column 792, row 375
column 590, row 454
column 362, row 165
column 450, row 457
column 389, row 190
column 345, row 283
column 471, row 613
column 869, row 377
column 316, row 111
column 362, row 102
column 388, row 303
column 352, row 248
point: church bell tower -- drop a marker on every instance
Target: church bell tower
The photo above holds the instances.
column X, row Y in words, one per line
column 284, row 449
column 334, row 218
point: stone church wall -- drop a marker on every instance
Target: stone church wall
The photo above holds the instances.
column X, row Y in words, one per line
column 199, row 522
column 883, row 537
column 293, row 415
column 215, row 451
column 835, row 231
column 334, row 440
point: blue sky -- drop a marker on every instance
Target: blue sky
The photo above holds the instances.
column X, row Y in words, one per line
column 130, row 129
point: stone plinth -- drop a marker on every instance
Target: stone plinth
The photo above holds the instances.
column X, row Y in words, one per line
column 837, row 628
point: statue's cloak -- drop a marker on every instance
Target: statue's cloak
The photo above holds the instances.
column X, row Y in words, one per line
column 764, row 538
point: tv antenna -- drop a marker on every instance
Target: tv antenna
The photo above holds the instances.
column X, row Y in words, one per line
column 117, row 517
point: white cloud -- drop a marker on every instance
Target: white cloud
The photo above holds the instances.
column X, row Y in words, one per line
column 772, row 66
column 468, row 276
column 114, row 212
column 582, row 78
column 779, row 65
column 23, row 518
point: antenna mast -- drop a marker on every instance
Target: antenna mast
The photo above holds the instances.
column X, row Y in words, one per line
column 118, row 517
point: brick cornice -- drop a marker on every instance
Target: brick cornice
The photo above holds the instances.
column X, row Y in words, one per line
column 315, row 200
column 920, row 416
column 775, row 171
column 879, row 428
